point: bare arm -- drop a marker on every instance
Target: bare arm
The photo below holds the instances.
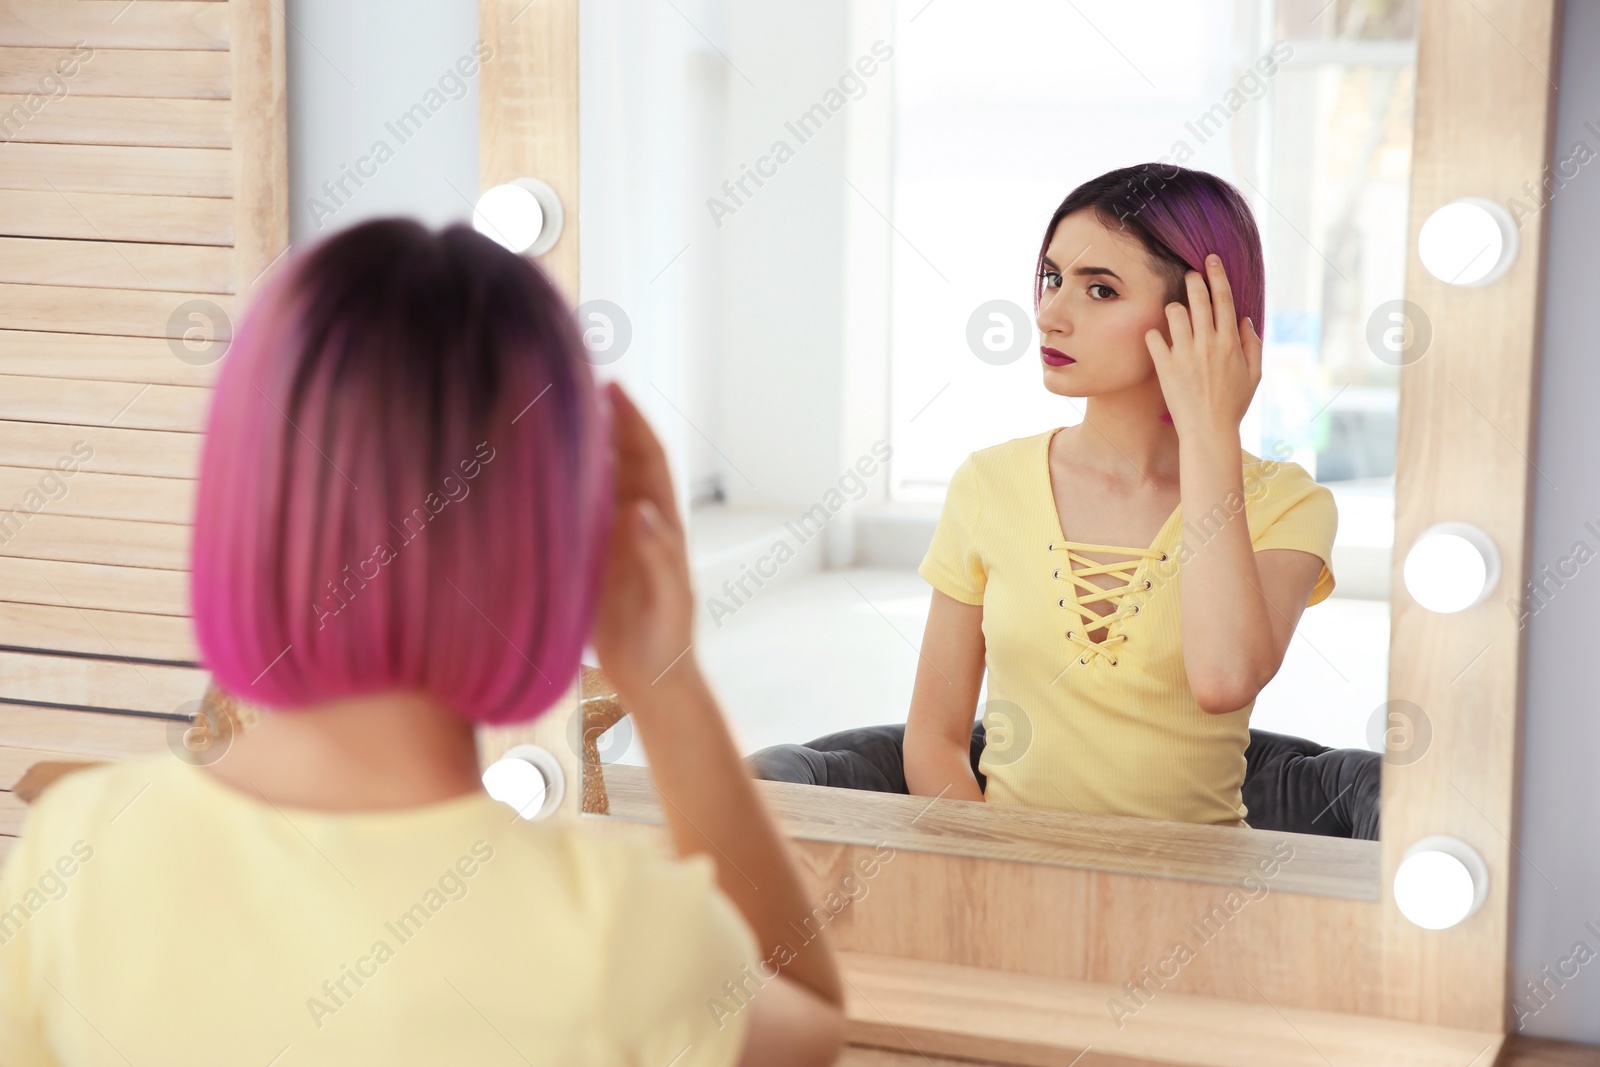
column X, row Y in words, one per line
column 1239, row 607
column 1238, row 610
column 712, row 807
column 643, row 634
column 791, row 1027
column 938, row 739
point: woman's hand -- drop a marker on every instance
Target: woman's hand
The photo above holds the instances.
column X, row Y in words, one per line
column 1211, row 369
column 645, row 619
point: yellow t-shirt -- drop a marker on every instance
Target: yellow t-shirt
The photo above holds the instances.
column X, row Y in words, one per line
column 153, row 915
column 1109, row 725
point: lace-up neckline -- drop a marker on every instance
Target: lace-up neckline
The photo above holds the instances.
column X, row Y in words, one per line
column 1079, row 569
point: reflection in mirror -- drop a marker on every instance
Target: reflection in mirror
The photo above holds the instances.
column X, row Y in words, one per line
column 968, row 518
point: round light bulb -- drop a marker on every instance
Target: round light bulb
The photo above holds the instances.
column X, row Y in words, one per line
column 1472, row 241
column 509, row 214
column 516, row 782
column 1451, row 567
column 1440, row 882
column 528, row 778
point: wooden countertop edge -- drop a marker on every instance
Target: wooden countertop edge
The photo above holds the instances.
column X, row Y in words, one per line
column 1224, row 855
column 969, row 1012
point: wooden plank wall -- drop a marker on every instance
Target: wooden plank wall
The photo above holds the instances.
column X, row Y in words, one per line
column 143, row 192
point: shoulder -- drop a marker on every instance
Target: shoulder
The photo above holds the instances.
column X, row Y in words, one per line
column 95, row 795
column 639, row 873
column 1287, row 508
column 671, row 944
column 607, row 858
column 666, row 906
column 1008, row 453
column 1274, row 486
column 67, row 823
column 630, row 876
column 997, row 476
column 1009, row 462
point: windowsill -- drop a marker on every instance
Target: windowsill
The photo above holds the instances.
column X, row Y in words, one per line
column 1224, row 855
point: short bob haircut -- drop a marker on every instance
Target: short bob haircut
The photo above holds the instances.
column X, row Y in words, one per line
column 1178, row 216
column 406, row 481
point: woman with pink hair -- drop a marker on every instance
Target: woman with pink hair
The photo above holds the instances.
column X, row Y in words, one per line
column 414, row 507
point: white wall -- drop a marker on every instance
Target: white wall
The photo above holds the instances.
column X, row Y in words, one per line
column 635, row 62
column 355, row 68
column 784, row 245
column 740, row 353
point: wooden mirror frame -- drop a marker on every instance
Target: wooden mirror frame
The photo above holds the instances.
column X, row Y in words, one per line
column 1017, row 959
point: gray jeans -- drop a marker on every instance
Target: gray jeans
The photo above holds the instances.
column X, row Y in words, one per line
column 1290, row 783
column 867, row 757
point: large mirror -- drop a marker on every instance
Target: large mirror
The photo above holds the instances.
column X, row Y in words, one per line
column 810, row 246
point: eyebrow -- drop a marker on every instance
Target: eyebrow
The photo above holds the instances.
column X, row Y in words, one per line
column 1085, row 272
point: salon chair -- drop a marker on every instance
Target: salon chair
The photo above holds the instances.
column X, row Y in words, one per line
column 1290, row 784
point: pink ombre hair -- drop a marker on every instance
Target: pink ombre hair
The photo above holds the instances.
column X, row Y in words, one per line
column 406, row 481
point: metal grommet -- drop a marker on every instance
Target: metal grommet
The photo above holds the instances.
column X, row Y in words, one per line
column 1135, row 610
column 1057, row 574
column 1082, row 660
column 1163, row 558
column 1147, row 583
column 1062, row 602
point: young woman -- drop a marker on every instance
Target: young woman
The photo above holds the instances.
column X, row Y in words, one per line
column 404, row 528
column 1130, row 582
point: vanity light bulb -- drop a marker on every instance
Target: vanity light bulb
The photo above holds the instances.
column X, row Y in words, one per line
column 516, row 782
column 524, row 215
column 1451, row 567
column 528, row 778
column 1472, row 241
column 510, row 215
column 1440, row 882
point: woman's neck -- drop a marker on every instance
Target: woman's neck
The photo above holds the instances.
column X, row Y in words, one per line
column 374, row 752
column 1124, row 435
